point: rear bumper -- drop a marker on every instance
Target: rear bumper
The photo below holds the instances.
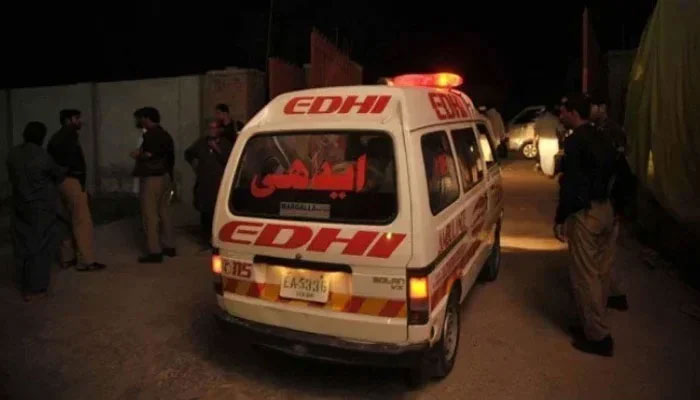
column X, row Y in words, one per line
column 322, row 347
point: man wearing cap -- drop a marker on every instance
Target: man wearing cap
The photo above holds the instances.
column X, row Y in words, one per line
column 585, row 219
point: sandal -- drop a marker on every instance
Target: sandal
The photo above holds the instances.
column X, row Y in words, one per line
column 68, row 264
column 91, row 267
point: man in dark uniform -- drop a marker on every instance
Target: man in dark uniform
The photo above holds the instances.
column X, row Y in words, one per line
column 585, row 219
column 229, row 127
column 155, row 160
column 621, row 193
column 208, row 156
column 34, row 177
column 66, row 151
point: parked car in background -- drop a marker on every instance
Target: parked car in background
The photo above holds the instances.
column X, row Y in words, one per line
column 521, row 131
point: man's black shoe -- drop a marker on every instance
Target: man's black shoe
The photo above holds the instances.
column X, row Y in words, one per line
column 69, row 263
column 151, row 259
column 90, row 267
column 602, row 347
column 169, row 251
column 618, row 303
column 577, row 332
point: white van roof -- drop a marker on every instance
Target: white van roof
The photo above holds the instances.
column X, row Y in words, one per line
column 418, row 107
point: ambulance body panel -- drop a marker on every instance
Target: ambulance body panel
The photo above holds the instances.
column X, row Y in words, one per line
column 349, row 215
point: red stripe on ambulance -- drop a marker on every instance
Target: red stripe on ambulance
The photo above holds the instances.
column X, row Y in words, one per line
column 296, row 236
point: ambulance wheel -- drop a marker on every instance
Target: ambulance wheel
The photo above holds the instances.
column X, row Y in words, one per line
column 440, row 359
column 529, row 150
column 489, row 272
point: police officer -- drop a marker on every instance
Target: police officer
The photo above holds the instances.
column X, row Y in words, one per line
column 620, row 195
column 208, row 156
column 66, row 151
column 155, row 160
column 585, row 219
column 229, row 126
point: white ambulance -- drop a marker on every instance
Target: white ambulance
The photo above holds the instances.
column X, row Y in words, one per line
column 352, row 221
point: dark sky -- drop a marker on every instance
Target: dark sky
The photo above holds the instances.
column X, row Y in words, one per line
column 510, row 54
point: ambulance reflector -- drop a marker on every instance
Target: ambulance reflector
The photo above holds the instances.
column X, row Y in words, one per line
column 439, row 80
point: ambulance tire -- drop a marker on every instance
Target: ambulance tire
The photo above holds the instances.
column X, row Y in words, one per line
column 489, row 272
column 440, row 359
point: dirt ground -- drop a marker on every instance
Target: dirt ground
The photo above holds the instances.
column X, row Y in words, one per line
column 147, row 332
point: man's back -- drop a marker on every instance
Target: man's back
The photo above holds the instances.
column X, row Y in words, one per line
column 33, row 176
column 588, row 168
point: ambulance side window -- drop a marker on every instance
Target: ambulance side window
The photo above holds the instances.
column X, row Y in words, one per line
column 440, row 171
column 487, row 147
column 470, row 162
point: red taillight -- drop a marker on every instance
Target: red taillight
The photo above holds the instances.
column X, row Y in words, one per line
column 418, row 301
column 439, row 80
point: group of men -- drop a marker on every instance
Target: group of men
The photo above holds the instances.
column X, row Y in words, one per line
column 591, row 198
column 48, row 186
column 595, row 184
column 49, row 193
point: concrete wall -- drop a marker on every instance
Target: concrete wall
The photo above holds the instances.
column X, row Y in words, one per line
column 44, row 103
column 255, row 93
column 109, row 134
column 177, row 99
column 242, row 89
column 284, row 77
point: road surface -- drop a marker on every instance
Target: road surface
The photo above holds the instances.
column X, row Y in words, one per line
column 147, row 332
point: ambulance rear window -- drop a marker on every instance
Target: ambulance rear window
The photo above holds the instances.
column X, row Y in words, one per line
column 336, row 176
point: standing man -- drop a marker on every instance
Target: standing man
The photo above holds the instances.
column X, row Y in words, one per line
column 66, row 151
column 208, row 156
column 229, row 126
column 599, row 116
column 155, row 160
column 620, row 195
column 34, row 178
column 585, row 219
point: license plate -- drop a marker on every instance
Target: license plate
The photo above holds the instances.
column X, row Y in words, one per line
column 305, row 285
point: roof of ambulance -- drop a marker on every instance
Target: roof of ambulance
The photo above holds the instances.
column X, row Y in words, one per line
column 372, row 105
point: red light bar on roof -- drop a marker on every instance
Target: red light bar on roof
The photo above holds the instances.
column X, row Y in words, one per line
column 442, row 79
